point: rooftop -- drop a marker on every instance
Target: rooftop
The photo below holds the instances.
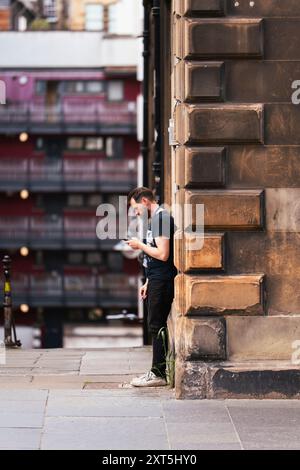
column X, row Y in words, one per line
column 66, row 49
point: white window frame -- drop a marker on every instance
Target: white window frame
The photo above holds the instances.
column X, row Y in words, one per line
column 89, row 19
column 110, row 88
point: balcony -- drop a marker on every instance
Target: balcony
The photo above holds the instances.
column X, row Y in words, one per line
column 47, row 290
column 52, row 232
column 89, row 175
column 80, row 118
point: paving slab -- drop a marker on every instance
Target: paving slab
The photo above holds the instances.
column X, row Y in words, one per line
column 15, row 382
column 138, row 394
column 201, row 433
column 23, row 395
column 55, row 381
column 104, row 433
column 22, row 406
column 54, row 371
column 264, row 416
column 20, row 439
column 193, row 412
column 21, row 420
column 207, row 446
column 269, row 438
column 10, row 371
column 95, row 406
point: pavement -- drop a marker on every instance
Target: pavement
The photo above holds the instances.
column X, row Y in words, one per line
column 81, row 399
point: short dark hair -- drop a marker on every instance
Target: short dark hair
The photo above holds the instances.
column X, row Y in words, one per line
column 138, row 193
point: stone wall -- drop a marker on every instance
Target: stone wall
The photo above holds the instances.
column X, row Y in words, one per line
column 238, row 153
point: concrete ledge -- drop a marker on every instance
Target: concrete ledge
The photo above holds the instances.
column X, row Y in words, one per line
column 203, row 380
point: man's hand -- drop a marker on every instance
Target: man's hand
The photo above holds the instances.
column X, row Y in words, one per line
column 143, row 291
column 160, row 252
column 135, row 244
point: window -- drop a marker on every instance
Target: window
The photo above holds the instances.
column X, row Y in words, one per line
column 75, row 315
column 90, row 144
column 83, row 86
column 94, row 258
column 112, row 18
column 115, row 262
column 75, row 258
column 72, row 86
column 114, row 200
column 39, row 201
column 50, row 10
column 94, row 15
column 109, row 147
column 39, row 258
column 75, row 200
column 80, row 200
column 115, row 91
column 94, row 143
column 40, row 87
column 22, row 23
column 94, row 86
column 114, row 147
column 94, row 200
column 75, row 143
column 39, row 144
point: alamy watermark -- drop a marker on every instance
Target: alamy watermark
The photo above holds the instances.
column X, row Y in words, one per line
column 295, row 358
column 296, row 93
column 123, row 223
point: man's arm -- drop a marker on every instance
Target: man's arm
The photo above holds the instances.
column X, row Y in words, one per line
column 161, row 252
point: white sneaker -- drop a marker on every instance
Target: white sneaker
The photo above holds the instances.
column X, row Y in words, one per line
column 148, row 380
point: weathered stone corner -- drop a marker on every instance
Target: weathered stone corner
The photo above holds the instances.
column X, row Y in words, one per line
column 200, row 338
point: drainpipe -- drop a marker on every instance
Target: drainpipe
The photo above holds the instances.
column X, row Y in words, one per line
column 157, row 164
column 146, row 55
column 145, row 143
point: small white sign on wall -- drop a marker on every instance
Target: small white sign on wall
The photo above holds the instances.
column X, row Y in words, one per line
column 2, row 92
column 2, row 353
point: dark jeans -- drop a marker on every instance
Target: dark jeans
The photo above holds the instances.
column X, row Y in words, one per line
column 160, row 297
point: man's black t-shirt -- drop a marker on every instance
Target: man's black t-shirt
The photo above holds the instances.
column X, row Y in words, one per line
column 161, row 224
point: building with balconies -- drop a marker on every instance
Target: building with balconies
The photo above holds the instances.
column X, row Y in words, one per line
column 67, row 144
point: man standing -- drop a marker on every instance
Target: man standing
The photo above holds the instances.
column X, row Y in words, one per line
column 160, row 272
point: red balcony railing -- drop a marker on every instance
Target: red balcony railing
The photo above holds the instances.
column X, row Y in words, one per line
column 54, row 289
column 84, row 112
column 51, row 232
column 88, row 174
